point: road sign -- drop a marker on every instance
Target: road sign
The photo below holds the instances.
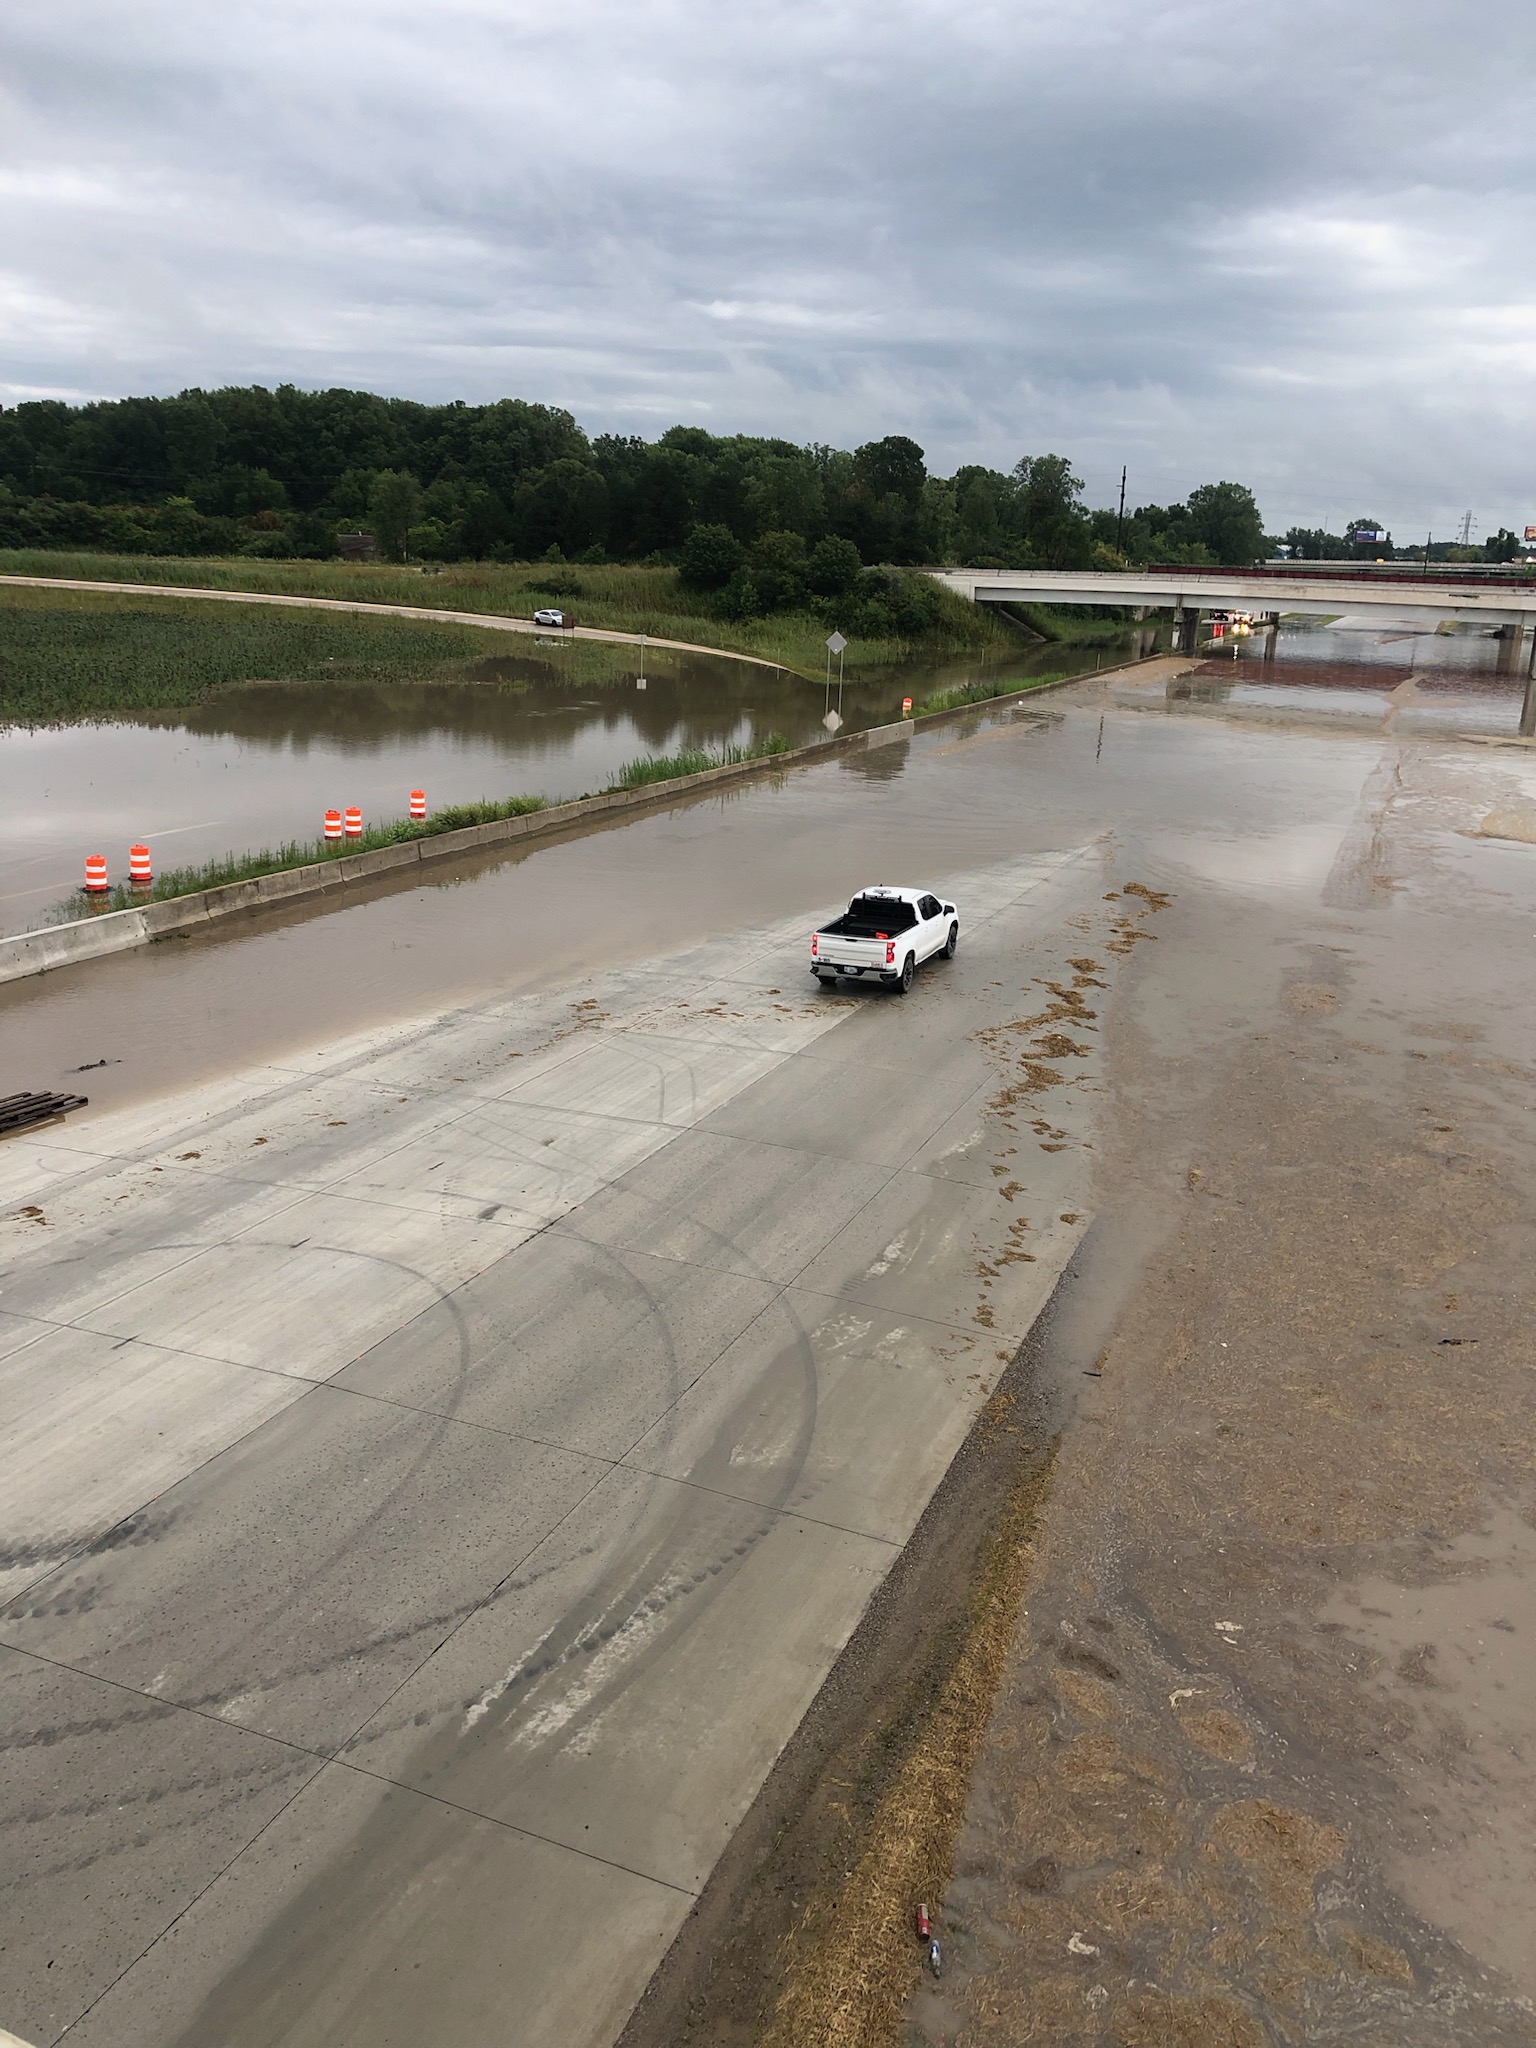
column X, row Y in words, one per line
column 832, row 721
column 836, row 642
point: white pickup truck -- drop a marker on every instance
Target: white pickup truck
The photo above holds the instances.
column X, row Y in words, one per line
column 883, row 935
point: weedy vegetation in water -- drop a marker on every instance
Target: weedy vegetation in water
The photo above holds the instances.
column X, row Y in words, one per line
column 982, row 693
column 68, row 655
column 694, row 760
column 299, row 853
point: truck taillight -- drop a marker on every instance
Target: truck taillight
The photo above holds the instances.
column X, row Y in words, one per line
column 890, row 952
column 813, row 942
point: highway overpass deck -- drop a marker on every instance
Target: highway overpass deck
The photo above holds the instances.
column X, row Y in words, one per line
column 1258, row 590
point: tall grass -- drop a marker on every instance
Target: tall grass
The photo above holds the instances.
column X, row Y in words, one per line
column 303, row 853
column 639, row 597
column 694, row 760
column 1075, row 627
column 981, row 693
column 72, row 654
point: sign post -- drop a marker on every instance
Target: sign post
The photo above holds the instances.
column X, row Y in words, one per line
column 640, row 679
column 835, row 645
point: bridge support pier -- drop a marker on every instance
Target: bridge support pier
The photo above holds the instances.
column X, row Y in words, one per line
column 1186, row 628
column 1511, row 644
column 1271, row 634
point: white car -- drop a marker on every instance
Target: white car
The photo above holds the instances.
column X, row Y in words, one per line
column 884, row 934
column 551, row 615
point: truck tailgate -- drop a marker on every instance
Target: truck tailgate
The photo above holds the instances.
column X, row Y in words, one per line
column 833, row 950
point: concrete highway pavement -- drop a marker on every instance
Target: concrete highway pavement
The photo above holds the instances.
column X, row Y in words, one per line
column 444, row 1467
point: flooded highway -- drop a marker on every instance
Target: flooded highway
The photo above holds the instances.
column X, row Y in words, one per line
column 485, row 1347
column 165, row 1016
column 259, row 765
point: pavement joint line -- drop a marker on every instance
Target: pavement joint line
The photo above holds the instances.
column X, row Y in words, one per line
column 182, row 1911
column 892, row 1174
column 653, row 1122
column 171, row 1706
column 744, row 1500
column 733, row 1138
column 528, row 1834
column 305, row 1380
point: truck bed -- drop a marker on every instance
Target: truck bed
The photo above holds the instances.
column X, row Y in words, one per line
column 886, row 923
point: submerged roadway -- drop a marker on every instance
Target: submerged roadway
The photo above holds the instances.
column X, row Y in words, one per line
column 446, row 1457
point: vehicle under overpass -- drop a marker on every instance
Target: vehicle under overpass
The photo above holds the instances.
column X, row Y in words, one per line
column 1505, row 606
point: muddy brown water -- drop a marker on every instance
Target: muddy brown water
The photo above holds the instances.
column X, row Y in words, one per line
column 171, row 1014
column 163, row 1016
column 259, row 765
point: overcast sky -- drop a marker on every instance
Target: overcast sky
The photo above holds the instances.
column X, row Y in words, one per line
column 1290, row 244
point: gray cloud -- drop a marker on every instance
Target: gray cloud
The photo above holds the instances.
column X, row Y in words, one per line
column 1291, row 245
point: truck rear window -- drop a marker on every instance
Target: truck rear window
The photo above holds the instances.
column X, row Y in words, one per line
column 882, row 913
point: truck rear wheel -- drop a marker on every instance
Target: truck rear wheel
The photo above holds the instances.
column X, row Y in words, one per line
column 908, row 969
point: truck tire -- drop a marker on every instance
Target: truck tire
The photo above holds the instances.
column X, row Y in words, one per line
column 952, row 941
column 908, row 969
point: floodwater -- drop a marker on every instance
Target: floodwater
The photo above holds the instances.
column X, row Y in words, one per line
column 1444, row 680
column 260, row 765
column 1256, row 808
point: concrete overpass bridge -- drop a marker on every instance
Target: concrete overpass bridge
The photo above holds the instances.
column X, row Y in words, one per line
column 1507, row 607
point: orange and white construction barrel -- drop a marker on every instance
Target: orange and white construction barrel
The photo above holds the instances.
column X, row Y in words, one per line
column 96, row 874
column 418, row 803
column 354, row 822
column 332, row 826
column 140, row 869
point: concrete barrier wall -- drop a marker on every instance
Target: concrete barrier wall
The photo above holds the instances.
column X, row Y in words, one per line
column 114, row 931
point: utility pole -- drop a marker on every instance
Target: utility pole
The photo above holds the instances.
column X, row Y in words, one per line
column 1465, row 536
column 1428, row 538
column 1120, row 521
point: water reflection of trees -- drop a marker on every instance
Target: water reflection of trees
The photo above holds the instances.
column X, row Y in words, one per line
column 542, row 704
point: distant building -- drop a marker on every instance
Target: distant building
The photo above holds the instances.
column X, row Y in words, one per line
column 357, row 547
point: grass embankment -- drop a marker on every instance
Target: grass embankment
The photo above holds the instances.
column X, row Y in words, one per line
column 78, row 654
column 981, row 693
column 302, row 853
column 1082, row 626
column 624, row 598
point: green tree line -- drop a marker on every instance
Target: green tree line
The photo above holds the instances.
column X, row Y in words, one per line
column 1315, row 544
column 756, row 519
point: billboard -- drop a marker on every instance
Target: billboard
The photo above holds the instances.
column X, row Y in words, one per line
column 1530, row 533
column 1366, row 536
